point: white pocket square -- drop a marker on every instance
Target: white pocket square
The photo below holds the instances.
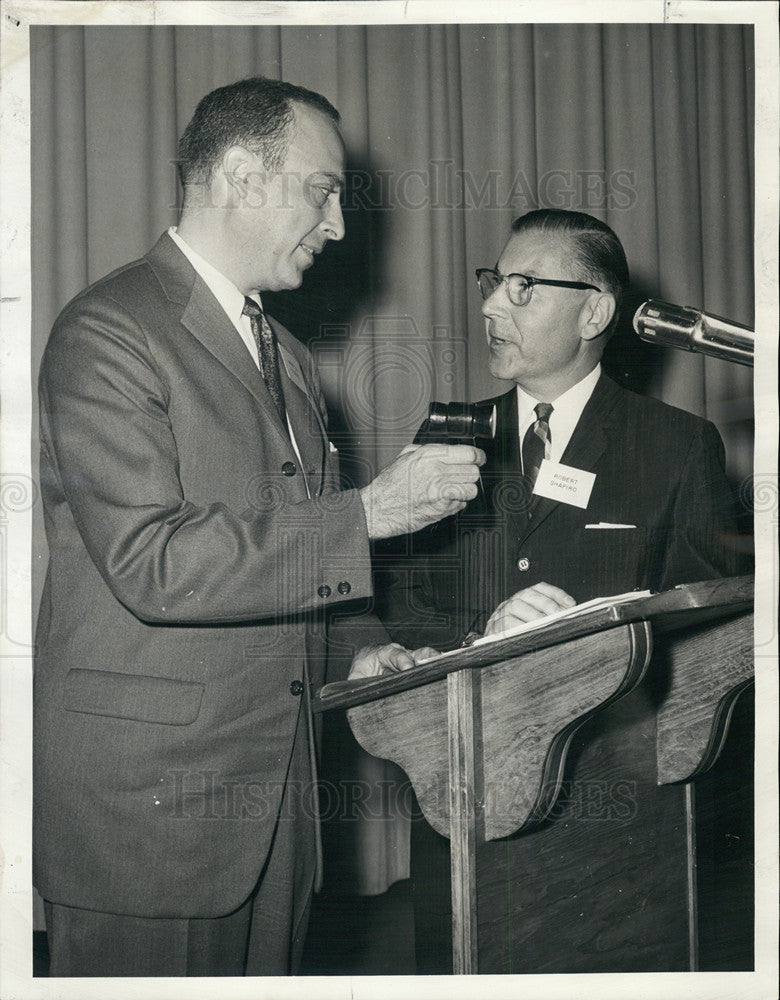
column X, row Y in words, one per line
column 606, row 524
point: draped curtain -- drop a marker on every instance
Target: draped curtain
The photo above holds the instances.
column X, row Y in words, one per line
column 451, row 132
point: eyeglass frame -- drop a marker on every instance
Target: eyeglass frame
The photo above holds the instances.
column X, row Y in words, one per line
column 530, row 281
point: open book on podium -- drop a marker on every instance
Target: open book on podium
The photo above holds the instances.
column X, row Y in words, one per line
column 689, row 604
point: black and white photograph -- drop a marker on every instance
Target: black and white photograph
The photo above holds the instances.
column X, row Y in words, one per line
column 389, row 506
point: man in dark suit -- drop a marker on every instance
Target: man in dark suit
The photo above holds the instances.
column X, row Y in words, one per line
column 197, row 541
column 654, row 506
column 589, row 490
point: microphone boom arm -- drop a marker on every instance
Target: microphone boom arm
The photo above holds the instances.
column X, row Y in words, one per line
column 692, row 330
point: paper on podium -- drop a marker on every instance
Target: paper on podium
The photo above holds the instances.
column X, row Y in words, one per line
column 541, row 623
column 682, row 606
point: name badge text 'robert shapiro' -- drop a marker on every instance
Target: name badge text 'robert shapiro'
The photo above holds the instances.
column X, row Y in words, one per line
column 564, row 483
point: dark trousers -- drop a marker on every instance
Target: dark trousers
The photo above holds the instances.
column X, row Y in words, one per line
column 263, row 937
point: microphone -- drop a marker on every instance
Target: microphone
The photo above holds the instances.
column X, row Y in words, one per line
column 457, row 423
column 693, row 330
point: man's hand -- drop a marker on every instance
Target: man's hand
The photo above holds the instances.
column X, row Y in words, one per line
column 372, row 661
column 423, row 485
column 528, row 605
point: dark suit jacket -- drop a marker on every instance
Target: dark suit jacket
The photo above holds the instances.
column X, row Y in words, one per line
column 658, row 469
column 189, row 581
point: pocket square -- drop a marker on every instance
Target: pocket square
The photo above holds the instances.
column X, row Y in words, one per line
column 606, row 524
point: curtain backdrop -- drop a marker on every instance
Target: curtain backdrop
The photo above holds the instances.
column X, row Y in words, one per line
column 451, row 131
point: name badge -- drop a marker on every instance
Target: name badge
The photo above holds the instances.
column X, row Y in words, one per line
column 564, row 483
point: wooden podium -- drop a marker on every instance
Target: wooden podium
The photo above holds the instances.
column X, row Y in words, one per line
column 602, row 877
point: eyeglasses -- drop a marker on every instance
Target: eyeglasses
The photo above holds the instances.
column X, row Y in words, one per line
column 519, row 286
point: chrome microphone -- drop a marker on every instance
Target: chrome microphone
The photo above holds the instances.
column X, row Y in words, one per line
column 693, row 330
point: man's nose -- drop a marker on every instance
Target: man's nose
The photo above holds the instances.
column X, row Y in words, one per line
column 490, row 305
column 333, row 223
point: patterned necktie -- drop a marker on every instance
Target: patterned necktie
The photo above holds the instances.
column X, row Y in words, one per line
column 267, row 353
column 536, row 444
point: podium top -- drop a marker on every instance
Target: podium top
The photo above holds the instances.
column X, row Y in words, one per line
column 687, row 604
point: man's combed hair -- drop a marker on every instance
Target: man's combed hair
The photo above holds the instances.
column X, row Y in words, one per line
column 598, row 255
column 255, row 113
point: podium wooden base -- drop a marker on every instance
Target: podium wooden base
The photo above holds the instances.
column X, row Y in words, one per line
column 562, row 780
column 601, row 886
column 606, row 884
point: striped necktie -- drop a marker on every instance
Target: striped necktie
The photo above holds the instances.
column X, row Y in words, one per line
column 267, row 353
column 536, row 444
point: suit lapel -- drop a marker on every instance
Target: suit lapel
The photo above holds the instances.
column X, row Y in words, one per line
column 305, row 417
column 502, row 467
column 587, row 443
column 583, row 451
column 207, row 321
column 507, row 440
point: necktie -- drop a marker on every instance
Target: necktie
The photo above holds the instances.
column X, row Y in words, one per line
column 536, row 444
column 267, row 352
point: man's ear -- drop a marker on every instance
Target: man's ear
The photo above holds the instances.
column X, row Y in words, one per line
column 596, row 314
column 241, row 173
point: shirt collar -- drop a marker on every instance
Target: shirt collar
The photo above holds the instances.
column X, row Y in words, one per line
column 567, row 410
column 222, row 288
column 574, row 398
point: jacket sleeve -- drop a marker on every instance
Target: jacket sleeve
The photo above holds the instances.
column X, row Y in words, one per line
column 109, row 453
column 702, row 542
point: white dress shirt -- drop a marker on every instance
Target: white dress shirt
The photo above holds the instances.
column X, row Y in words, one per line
column 232, row 301
column 224, row 291
column 567, row 410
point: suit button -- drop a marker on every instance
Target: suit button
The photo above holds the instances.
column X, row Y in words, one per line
column 288, row 469
column 324, row 590
column 523, row 564
column 296, row 688
column 344, row 587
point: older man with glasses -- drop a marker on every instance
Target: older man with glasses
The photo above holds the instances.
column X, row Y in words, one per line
column 589, row 489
